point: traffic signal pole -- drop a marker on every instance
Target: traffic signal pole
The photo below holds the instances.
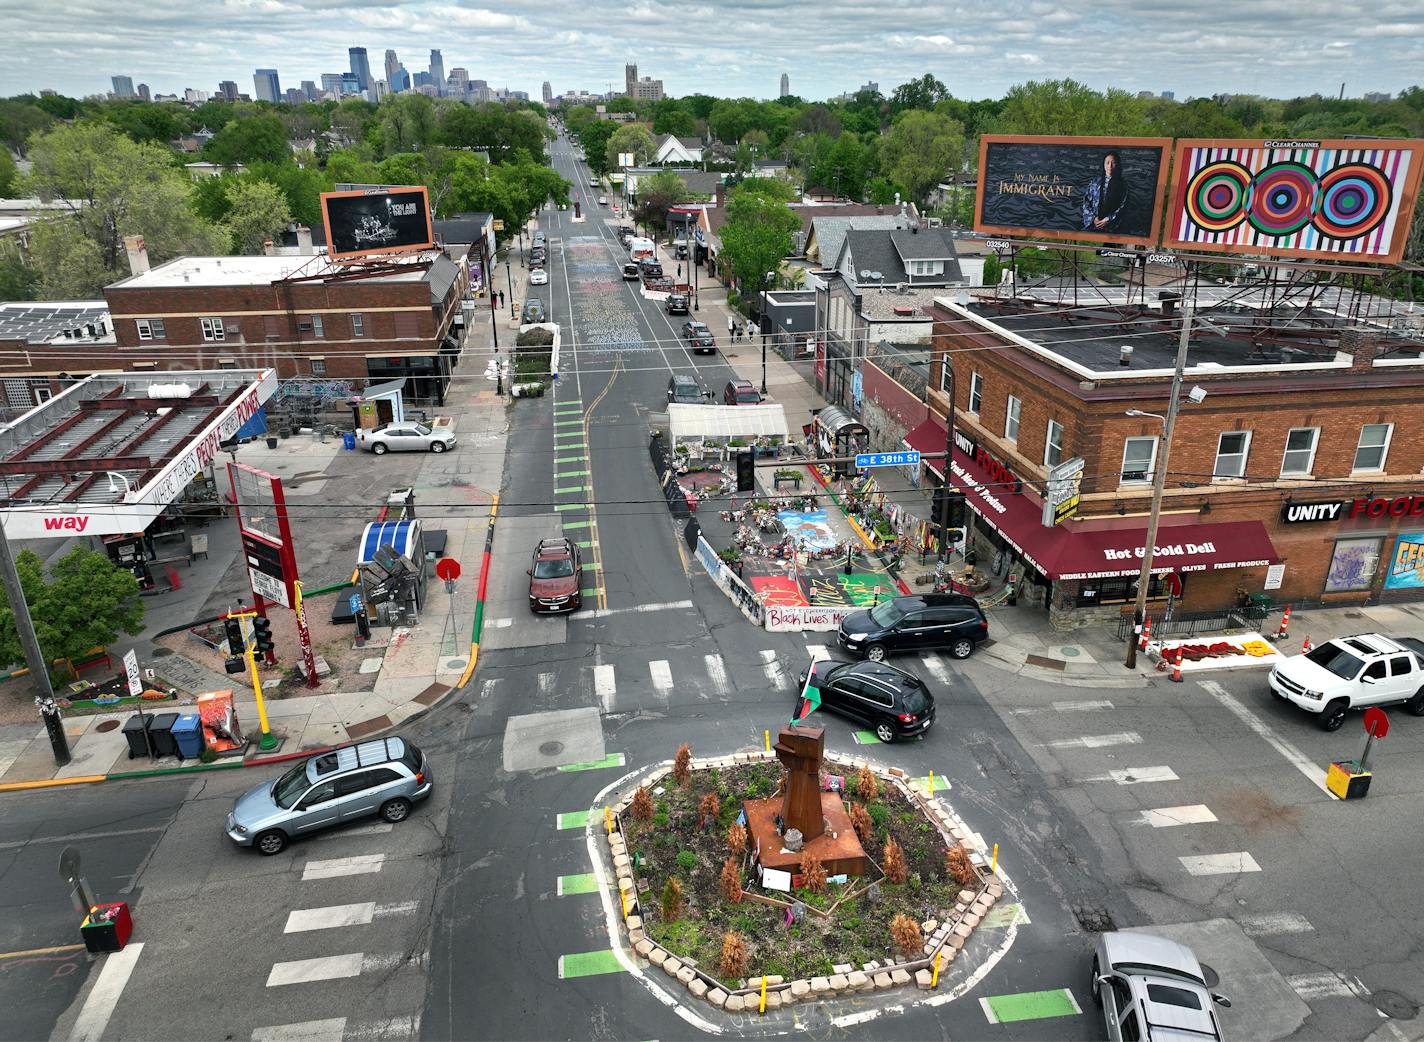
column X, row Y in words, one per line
column 249, row 652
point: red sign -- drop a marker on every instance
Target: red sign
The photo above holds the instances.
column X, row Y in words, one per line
column 1399, row 506
column 1376, row 722
column 447, row 568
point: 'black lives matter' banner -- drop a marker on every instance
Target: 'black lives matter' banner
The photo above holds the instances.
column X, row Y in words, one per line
column 1087, row 188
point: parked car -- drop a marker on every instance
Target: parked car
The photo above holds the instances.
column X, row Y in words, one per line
column 651, row 269
column 740, row 392
column 603, row 200
column 919, row 622
column 384, row 777
column 406, row 437
column 537, row 263
column 680, row 251
column 556, row 577
column 533, row 311
column 593, row 182
column 676, row 303
column 540, row 237
column 632, row 273
column 538, row 277
column 1352, row 673
column 699, row 337
column 1151, row 988
column 686, row 390
column 892, row 703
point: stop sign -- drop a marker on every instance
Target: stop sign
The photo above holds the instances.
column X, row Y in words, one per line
column 1376, row 722
column 448, row 568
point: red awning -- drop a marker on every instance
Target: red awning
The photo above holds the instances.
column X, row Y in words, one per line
column 1084, row 553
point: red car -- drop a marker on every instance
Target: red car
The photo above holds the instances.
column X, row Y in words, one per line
column 556, row 577
column 740, row 392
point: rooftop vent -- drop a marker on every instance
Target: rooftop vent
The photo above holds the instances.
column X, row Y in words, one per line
column 1124, row 355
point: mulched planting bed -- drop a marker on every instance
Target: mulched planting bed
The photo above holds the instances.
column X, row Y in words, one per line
column 672, row 846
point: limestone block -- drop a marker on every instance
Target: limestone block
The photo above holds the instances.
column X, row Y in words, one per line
column 929, row 926
column 899, row 977
column 858, row 981
column 972, row 919
column 717, row 997
column 697, row 986
column 838, row 982
column 800, row 989
column 634, row 922
column 634, row 936
column 820, row 986
column 686, row 975
column 773, row 1000
column 657, row 956
column 734, row 1004
column 963, row 930
column 882, row 980
column 643, row 947
column 671, row 965
column 966, row 896
column 923, row 979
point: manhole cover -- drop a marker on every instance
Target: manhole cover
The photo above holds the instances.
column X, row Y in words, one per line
column 106, row 725
column 1210, row 975
column 551, row 748
column 1393, row 1004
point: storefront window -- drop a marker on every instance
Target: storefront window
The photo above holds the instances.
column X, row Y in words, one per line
column 1121, row 590
column 1353, row 566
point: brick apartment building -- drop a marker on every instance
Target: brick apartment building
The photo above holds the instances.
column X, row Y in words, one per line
column 303, row 316
column 1298, row 475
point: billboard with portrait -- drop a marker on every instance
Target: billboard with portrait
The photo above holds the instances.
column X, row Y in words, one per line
column 386, row 220
column 1346, row 200
column 1094, row 189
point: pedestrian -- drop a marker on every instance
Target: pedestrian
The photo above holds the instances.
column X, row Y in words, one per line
column 731, row 327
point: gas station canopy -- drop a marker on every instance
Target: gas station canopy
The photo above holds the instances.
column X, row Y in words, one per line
column 112, row 451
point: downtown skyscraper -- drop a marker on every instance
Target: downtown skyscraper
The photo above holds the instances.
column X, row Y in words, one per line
column 360, row 67
column 437, row 71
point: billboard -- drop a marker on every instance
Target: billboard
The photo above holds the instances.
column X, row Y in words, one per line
column 1095, row 189
column 1349, row 200
column 387, row 220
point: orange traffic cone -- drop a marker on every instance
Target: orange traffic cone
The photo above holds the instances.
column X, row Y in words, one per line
column 1285, row 624
column 1177, row 667
column 1146, row 634
column 1305, row 644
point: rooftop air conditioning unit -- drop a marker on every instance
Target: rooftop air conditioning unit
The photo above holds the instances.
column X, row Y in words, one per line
column 902, row 287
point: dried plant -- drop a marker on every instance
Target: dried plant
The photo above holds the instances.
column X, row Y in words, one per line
column 642, row 807
column 682, row 764
column 813, row 873
column 736, row 839
column 860, row 821
column 958, row 865
column 893, row 862
column 867, row 786
column 905, row 932
column 731, row 880
column 672, row 901
column 733, row 962
column 708, row 808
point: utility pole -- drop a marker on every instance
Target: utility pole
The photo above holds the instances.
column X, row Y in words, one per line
column 34, row 658
column 948, row 463
column 1159, row 483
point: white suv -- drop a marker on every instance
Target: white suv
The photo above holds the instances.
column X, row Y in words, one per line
column 1353, row 673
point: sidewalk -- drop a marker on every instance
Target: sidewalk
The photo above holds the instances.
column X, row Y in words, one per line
column 413, row 669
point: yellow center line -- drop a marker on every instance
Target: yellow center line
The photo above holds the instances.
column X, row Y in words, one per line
column 592, row 494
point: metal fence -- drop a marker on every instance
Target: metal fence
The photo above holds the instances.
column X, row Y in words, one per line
column 1190, row 623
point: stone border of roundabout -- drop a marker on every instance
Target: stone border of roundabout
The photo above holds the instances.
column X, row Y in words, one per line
column 944, row 939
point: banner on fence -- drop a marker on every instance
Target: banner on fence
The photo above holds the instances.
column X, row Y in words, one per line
column 708, row 557
column 788, row 619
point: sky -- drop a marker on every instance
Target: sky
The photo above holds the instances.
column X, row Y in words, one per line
column 736, row 48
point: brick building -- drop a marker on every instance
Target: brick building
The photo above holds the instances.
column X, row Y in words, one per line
column 1298, row 474
column 302, row 316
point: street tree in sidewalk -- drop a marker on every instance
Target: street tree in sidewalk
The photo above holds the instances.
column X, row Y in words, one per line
column 758, row 232
column 656, row 195
column 86, row 602
column 920, row 149
column 630, row 138
column 593, row 139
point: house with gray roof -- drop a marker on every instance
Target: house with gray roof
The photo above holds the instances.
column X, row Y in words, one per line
column 673, row 149
column 827, row 234
column 918, row 257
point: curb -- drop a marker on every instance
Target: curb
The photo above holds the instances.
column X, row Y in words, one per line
column 158, row 772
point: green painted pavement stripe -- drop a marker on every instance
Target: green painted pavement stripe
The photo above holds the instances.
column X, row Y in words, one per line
column 585, row 544
column 611, row 760
column 583, row 883
column 1030, row 1005
column 578, row 524
column 574, row 819
column 571, row 459
column 589, row 591
column 941, row 782
column 865, row 738
column 1001, row 917
column 586, row 964
column 568, row 423
column 570, row 506
column 571, row 488
column 572, row 473
column 568, row 406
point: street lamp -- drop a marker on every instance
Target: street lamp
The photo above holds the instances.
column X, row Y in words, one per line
column 1159, row 477
column 770, row 278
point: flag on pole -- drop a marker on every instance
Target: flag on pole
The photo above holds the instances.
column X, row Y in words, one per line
column 810, row 699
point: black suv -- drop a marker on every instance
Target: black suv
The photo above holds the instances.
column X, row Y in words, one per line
column 892, row 702
column 676, row 304
column 916, row 623
column 685, row 390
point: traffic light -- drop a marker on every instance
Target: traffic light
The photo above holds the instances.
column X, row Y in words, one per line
column 746, row 472
column 262, row 632
column 955, row 506
column 236, row 664
column 232, row 629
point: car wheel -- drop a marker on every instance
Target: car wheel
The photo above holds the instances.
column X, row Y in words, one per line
column 884, row 732
column 437, row 446
column 962, row 648
column 395, row 810
column 1093, row 985
column 274, row 841
column 875, row 652
column 1415, row 706
column 379, row 448
column 1333, row 715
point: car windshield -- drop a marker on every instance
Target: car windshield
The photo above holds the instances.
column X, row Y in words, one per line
column 748, row 396
column 1337, row 660
column 290, row 786
column 421, row 429
column 886, row 614
column 913, row 699
column 553, row 569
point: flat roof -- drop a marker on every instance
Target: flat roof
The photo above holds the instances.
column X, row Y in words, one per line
column 47, row 322
column 110, row 452
column 260, row 270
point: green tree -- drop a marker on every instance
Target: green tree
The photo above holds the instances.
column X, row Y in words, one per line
column 9, row 174
column 882, row 191
column 845, row 167
column 594, row 140
column 1068, row 107
column 18, row 120
column 86, row 602
column 302, row 185
column 352, row 120
column 110, row 187
column 407, row 123
column 498, row 129
column 248, row 140
column 352, row 166
column 757, row 235
column 146, row 121
column 923, row 93
column 257, row 211
column 655, row 195
column 578, row 118
column 60, row 107
column 631, row 137
column 920, row 150
column 669, row 117
column 18, row 279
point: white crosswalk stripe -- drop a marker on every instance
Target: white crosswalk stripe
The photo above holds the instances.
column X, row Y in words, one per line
column 333, row 1030
column 818, row 652
column 772, row 668
column 1136, row 775
column 332, row 868
column 661, row 673
column 1327, row 984
column 378, row 828
column 1097, row 741
column 717, row 671
column 1274, row 924
column 937, row 668
column 1167, row 817
column 1083, row 706
column 547, row 683
column 309, row 971
column 331, row 917
column 604, row 686
column 1233, row 863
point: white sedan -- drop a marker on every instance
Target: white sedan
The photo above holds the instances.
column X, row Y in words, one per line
column 603, row 200
column 538, row 277
column 406, row 437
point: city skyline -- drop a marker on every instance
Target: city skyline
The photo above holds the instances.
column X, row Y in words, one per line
column 1373, row 47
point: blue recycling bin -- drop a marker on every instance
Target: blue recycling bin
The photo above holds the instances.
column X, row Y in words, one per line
column 188, row 734
column 348, row 440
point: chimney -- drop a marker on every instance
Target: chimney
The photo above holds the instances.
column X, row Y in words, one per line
column 1364, row 345
column 304, row 241
column 721, row 195
column 268, row 248
column 137, row 252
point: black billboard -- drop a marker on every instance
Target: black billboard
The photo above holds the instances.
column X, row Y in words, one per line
column 393, row 220
column 1086, row 188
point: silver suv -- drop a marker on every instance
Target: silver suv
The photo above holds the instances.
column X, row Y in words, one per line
column 384, row 777
column 1151, row 988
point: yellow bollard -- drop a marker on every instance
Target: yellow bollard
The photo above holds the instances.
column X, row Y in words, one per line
column 931, row 784
column 994, row 864
column 934, row 980
column 623, row 898
column 608, row 820
column 763, row 994
column 767, row 736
